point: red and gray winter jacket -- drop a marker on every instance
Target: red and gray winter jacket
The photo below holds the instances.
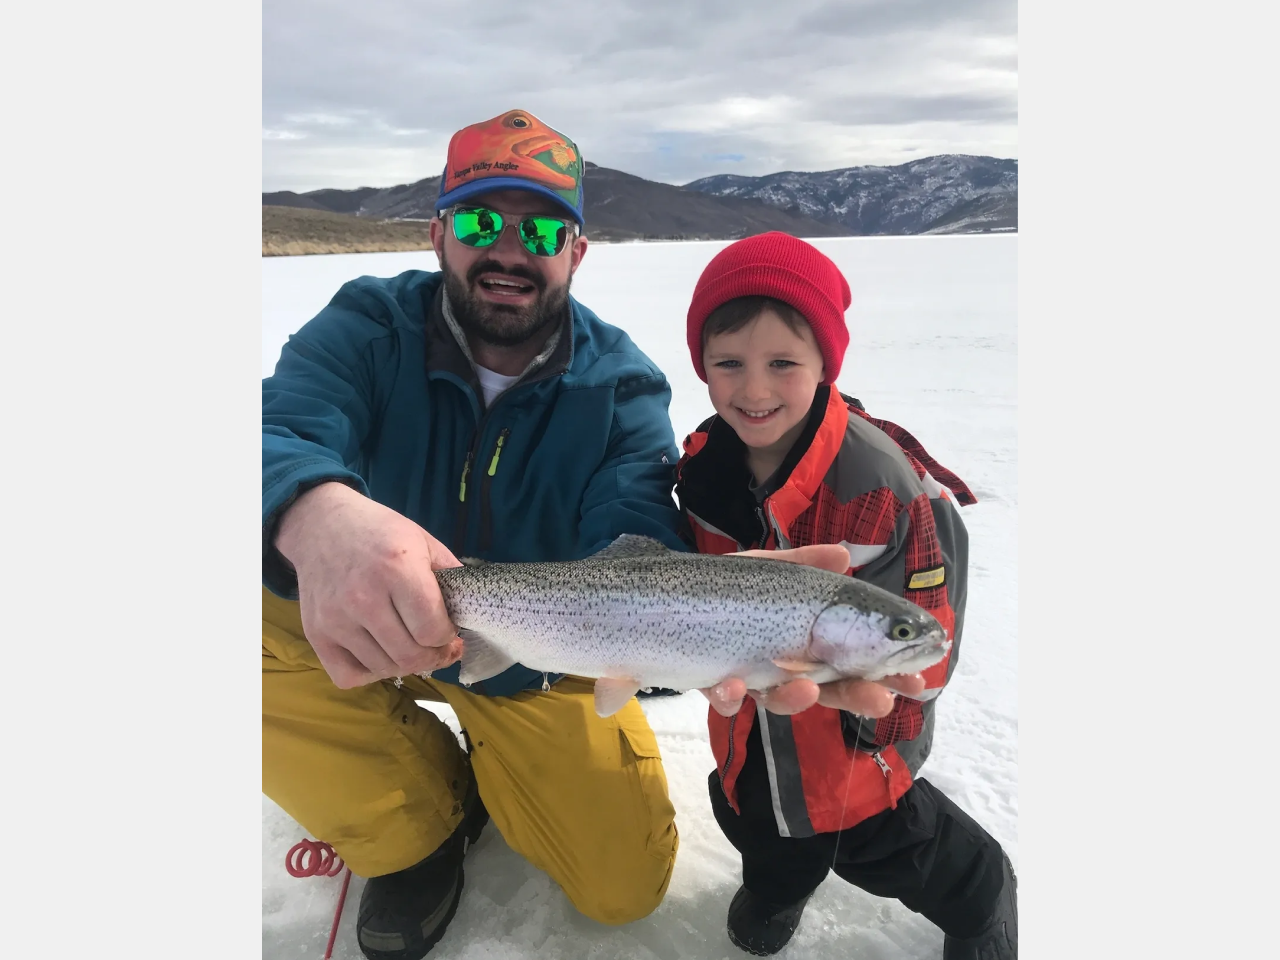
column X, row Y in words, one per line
column 870, row 486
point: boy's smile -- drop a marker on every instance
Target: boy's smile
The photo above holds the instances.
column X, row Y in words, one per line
column 762, row 379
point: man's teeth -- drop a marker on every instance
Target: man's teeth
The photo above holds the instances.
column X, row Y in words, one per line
column 512, row 284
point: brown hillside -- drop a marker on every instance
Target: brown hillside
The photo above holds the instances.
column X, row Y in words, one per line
column 291, row 231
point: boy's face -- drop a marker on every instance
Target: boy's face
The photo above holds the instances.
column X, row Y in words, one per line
column 762, row 379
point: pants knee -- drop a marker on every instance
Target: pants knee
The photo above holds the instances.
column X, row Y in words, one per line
column 620, row 908
column 627, row 894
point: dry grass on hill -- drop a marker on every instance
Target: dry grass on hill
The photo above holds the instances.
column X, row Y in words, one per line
column 293, row 231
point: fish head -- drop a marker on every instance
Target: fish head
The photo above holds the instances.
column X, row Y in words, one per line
column 871, row 633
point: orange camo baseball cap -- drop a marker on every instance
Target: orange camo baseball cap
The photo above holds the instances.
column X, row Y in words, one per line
column 513, row 151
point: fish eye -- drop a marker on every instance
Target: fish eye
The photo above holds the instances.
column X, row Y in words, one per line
column 519, row 121
column 903, row 630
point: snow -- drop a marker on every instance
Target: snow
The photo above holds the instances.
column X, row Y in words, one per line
column 934, row 349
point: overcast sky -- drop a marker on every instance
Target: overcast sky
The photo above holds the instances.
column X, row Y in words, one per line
column 368, row 93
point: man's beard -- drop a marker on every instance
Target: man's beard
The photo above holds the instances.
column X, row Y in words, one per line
column 500, row 324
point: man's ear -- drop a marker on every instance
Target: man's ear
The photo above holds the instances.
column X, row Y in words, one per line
column 436, row 229
column 577, row 252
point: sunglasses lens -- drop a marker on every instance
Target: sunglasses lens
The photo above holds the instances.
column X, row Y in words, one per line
column 477, row 228
column 543, row 236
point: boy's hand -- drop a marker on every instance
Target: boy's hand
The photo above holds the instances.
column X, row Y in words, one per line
column 863, row 697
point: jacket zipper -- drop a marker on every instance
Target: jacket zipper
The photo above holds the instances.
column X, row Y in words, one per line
column 728, row 762
column 886, row 770
column 497, row 450
column 883, row 764
column 460, row 528
column 466, row 471
column 779, row 541
column 486, row 512
column 764, row 526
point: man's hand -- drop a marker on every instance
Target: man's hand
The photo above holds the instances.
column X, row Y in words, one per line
column 863, row 697
column 370, row 604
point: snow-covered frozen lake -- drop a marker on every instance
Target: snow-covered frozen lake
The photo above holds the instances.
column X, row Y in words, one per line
column 934, row 349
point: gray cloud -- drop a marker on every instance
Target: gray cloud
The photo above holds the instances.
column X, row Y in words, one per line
column 369, row 93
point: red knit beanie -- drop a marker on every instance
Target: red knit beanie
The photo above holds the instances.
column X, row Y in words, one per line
column 780, row 266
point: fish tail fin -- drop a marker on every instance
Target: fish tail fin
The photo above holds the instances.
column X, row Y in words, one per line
column 480, row 658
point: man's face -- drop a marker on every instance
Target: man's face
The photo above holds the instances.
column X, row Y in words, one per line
column 503, row 294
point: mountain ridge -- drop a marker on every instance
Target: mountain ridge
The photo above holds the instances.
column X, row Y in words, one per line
column 947, row 193
column 963, row 192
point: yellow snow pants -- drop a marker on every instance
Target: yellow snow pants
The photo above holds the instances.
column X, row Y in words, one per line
column 381, row 779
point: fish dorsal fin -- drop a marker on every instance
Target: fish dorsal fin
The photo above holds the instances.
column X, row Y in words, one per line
column 632, row 545
column 473, row 562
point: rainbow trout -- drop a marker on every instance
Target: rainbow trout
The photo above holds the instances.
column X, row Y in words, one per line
column 638, row 614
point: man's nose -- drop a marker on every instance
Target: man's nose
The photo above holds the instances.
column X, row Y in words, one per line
column 508, row 246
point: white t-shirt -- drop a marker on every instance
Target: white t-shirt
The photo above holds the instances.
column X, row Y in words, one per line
column 493, row 383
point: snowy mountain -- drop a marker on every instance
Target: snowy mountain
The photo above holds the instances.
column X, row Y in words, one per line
column 619, row 206
column 408, row 201
column 944, row 194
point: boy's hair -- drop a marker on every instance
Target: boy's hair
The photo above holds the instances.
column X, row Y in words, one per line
column 732, row 315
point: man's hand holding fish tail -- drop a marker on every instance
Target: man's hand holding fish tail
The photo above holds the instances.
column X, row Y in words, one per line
column 862, row 697
column 370, row 605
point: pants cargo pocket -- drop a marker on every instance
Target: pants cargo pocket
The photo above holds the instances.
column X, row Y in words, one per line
column 643, row 763
column 365, row 769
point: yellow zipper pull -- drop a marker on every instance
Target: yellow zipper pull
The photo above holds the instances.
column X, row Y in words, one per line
column 497, row 452
column 462, row 490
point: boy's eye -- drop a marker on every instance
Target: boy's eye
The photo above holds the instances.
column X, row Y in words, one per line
column 727, row 364
column 782, row 363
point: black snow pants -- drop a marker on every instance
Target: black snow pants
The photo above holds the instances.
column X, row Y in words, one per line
column 925, row 852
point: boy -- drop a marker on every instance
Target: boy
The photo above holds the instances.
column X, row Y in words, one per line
column 788, row 461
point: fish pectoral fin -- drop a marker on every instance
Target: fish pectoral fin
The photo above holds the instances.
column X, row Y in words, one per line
column 480, row 658
column 632, row 545
column 612, row 694
column 797, row 666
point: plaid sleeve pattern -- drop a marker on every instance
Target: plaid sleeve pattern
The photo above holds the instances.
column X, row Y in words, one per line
column 923, row 552
column 904, row 722
column 921, row 460
column 868, row 519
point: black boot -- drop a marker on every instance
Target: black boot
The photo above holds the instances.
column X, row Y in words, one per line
column 404, row 914
column 657, row 692
column 998, row 939
column 759, row 927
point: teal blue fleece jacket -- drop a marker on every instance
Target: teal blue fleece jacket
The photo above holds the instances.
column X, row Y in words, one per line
column 376, row 393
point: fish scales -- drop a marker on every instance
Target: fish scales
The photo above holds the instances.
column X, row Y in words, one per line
column 676, row 621
column 640, row 612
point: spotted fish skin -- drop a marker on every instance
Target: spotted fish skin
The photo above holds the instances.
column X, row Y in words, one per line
column 641, row 613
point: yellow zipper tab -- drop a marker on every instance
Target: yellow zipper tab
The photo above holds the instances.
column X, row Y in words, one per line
column 497, row 452
column 462, row 490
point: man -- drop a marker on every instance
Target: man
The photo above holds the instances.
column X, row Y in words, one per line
column 485, row 405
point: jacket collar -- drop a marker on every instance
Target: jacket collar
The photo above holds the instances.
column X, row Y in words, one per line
column 828, row 423
column 714, row 476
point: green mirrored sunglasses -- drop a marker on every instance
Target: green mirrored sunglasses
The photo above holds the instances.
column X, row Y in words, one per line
column 481, row 227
